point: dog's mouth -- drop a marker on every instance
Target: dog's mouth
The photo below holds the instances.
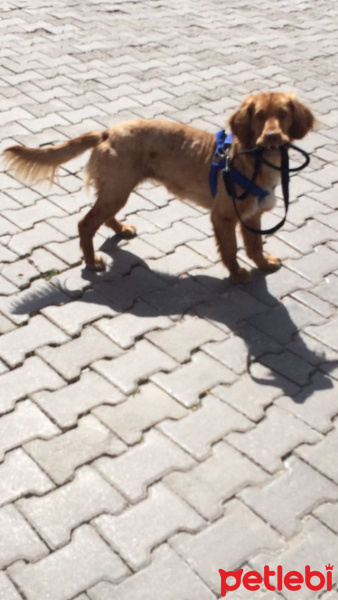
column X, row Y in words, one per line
column 272, row 150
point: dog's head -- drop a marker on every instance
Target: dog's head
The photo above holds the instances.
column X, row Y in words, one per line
column 271, row 119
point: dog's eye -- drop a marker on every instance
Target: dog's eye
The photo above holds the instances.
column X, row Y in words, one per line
column 260, row 115
column 282, row 114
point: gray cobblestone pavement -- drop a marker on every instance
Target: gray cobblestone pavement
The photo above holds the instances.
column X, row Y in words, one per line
column 157, row 422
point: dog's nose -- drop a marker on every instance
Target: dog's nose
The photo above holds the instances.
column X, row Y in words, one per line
column 272, row 138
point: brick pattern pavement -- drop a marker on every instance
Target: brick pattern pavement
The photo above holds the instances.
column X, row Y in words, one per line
column 157, row 422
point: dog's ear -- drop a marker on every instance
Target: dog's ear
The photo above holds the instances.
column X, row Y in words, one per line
column 241, row 122
column 302, row 119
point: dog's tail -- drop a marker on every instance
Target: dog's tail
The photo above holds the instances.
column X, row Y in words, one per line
column 34, row 164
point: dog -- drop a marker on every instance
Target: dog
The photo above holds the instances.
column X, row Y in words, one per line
column 179, row 157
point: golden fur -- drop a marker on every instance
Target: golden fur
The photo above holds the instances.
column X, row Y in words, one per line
column 179, row 157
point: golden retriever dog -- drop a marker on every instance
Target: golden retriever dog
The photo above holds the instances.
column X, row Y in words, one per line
column 179, row 157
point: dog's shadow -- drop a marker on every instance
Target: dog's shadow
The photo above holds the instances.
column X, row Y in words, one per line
column 247, row 311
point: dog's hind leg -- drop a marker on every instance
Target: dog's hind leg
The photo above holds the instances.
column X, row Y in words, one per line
column 88, row 226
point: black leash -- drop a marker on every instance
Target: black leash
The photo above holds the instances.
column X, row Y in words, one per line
column 284, row 168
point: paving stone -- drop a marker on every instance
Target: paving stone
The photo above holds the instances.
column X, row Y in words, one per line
column 175, row 211
column 19, row 273
column 326, row 333
column 123, row 292
column 279, row 501
column 328, row 290
column 209, row 484
column 70, row 358
column 148, row 406
column 328, row 514
column 316, row 404
column 166, row 578
column 165, row 514
column 18, row 540
column 182, row 260
column 202, row 372
column 67, row 404
column 39, row 235
column 245, row 533
column 181, row 297
column 321, row 454
column 179, row 233
column 25, row 340
column 283, row 321
column 57, row 514
column 147, row 462
column 25, row 218
column 7, row 589
column 20, row 475
column 289, row 365
column 315, row 542
column 25, row 423
column 6, row 287
column 19, row 306
column 281, row 433
column 72, row 316
column 33, row 376
column 315, row 266
column 60, row 456
column 311, row 234
column 124, row 329
column 81, row 564
column 201, row 428
column 137, row 365
column 237, row 351
column 317, row 304
column 188, row 334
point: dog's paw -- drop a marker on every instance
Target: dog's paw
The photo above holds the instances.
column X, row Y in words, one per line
column 241, row 276
column 270, row 263
column 127, row 231
column 97, row 265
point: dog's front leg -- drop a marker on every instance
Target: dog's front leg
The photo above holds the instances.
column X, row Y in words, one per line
column 253, row 243
column 225, row 232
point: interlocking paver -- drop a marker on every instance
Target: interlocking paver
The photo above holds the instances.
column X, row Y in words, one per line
column 60, row 456
column 24, row 340
column 125, row 328
column 148, row 406
column 7, row 589
column 197, row 432
column 279, row 501
column 56, row 514
column 209, row 484
column 70, row 358
column 127, row 370
column 168, row 514
column 315, row 541
column 20, row 475
column 274, row 437
column 321, row 455
column 186, row 336
column 18, row 539
column 67, row 404
column 25, row 423
column 145, row 463
column 81, row 564
column 158, row 383
column 166, row 578
column 33, row 376
column 202, row 372
column 245, row 534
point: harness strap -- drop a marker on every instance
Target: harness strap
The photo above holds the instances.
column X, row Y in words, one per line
column 284, row 168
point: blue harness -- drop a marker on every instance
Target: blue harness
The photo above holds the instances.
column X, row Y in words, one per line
column 223, row 142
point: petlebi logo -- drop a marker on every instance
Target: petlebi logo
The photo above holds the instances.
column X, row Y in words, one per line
column 276, row 580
